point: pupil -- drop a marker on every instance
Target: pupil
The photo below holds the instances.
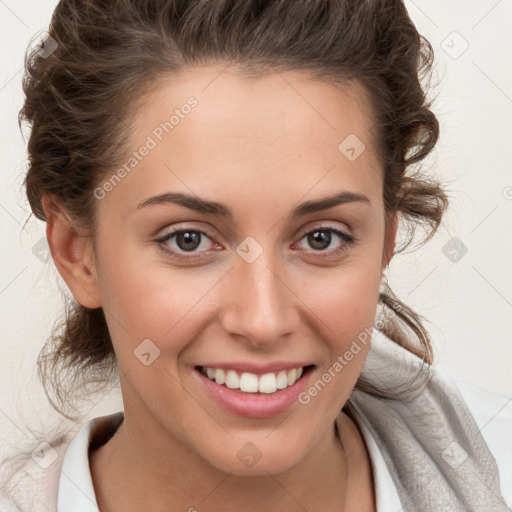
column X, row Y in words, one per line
column 320, row 239
column 188, row 240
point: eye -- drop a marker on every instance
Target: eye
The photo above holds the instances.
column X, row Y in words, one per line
column 182, row 241
column 188, row 240
column 324, row 238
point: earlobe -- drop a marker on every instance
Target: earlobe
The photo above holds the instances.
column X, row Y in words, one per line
column 72, row 253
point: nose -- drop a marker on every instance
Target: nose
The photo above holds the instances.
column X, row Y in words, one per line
column 260, row 306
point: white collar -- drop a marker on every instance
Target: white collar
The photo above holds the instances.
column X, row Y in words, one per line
column 76, row 490
column 386, row 495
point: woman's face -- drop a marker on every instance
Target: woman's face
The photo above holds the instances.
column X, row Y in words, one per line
column 261, row 277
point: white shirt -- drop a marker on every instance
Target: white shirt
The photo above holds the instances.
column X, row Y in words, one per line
column 492, row 413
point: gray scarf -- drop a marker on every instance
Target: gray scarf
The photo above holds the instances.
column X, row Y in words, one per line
column 432, row 446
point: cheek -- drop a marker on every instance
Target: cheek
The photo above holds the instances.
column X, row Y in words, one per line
column 345, row 298
column 143, row 298
column 344, row 313
column 344, row 304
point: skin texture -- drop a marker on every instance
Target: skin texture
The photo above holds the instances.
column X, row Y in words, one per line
column 260, row 147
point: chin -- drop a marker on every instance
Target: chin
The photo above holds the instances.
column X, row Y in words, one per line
column 258, row 457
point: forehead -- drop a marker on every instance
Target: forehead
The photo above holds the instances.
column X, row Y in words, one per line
column 211, row 130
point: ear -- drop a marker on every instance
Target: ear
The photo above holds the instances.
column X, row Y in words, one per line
column 390, row 240
column 72, row 254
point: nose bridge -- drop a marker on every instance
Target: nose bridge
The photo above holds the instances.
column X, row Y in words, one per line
column 261, row 307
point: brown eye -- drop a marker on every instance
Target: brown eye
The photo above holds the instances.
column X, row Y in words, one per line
column 188, row 240
column 326, row 242
column 319, row 240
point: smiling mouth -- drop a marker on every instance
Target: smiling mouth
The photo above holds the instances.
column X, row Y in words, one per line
column 247, row 382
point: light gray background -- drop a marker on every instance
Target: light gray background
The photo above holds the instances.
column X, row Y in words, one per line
column 468, row 303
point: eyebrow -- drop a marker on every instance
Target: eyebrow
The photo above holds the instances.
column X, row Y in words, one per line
column 328, row 202
column 213, row 208
column 187, row 201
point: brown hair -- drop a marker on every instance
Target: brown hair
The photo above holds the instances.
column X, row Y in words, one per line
column 104, row 55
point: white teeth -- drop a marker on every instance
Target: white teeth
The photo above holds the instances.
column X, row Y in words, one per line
column 267, row 383
column 292, row 377
column 232, row 379
column 282, row 380
column 251, row 383
column 219, row 376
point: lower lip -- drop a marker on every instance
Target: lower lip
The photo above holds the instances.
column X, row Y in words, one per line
column 255, row 405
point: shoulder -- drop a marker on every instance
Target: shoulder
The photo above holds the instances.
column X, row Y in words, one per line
column 30, row 472
column 492, row 413
column 29, row 479
column 457, row 435
column 42, row 473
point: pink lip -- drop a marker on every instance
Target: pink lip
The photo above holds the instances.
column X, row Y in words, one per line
column 256, row 368
column 254, row 405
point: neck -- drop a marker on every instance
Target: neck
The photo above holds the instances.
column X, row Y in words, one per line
column 175, row 478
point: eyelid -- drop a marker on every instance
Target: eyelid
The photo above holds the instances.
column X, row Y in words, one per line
column 347, row 237
column 162, row 240
column 179, row 228
column 347, row 241
column 326, row 225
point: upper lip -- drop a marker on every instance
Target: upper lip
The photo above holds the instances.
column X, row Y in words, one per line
column 258, row 369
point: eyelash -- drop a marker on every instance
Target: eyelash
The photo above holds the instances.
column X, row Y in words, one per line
column 161, row 241
column 347, row 239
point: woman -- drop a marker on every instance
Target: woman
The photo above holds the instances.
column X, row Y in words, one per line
column 222, row 184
